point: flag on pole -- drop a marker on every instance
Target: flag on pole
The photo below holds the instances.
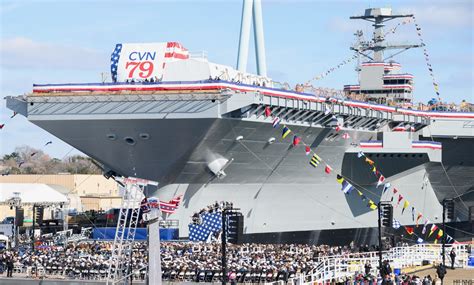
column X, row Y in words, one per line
column 296, row 140
column 307, row 149
column 360, row 154
column 346, row 136
column 315, row 160
column 338, row 128
column 380, row 181
column 327, row 169
column 405, row 205
column 285, row 132
column 449, row 238
column 386, row 186
column 433, row 229
column 276, row 122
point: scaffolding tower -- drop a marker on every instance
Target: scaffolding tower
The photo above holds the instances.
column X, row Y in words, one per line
column 119, row 269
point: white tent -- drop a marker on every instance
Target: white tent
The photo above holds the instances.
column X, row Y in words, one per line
column 31, row 194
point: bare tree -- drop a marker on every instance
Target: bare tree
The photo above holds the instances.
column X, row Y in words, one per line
column 28, row 160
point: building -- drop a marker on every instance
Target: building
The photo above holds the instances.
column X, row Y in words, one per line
column 85, row 192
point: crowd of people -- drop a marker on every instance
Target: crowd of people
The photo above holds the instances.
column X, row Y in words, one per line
column 216, row 207
column 180, row 260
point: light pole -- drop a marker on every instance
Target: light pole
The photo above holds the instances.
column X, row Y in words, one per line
column 224, row 243
column 385, row 218
column 15, row 202
column 448, row 206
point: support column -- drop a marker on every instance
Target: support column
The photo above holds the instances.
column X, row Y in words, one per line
column 242, row 55
column 259, row 40
column 154, row 253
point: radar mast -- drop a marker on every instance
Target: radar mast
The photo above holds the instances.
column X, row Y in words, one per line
column 380, row 78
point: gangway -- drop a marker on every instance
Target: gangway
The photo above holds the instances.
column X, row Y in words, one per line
column 349, row 265
column 126, row 228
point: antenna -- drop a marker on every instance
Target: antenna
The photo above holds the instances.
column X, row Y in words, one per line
column 378, row 16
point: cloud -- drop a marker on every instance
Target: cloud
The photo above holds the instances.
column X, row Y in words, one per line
column 22, row 52
column 443, row 14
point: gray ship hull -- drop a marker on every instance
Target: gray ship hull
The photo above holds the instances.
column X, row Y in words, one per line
column 273, row 184
column 173, row 139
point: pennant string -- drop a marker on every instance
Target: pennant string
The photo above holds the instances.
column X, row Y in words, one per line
column 427, row 59
column 371, row 204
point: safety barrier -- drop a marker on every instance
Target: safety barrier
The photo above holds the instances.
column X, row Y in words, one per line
column 350, row 265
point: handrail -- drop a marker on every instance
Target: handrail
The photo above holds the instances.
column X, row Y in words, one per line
column 348, row 265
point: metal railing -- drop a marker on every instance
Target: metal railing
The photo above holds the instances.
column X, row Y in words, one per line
column 349, row 265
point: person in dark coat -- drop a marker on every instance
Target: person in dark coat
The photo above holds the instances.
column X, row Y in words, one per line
column 367, row 268
column 441, row 271
column 452, row 254
column 386, row 272
column 10, row 267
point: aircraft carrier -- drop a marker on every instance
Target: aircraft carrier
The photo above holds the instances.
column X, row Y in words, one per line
column 205, row 131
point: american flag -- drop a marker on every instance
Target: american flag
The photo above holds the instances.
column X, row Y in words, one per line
column 168, row 207
column 176, row 50
column 176, row 200
column 211, row 223
column 114, row 59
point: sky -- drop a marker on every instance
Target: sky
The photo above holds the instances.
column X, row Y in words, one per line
column 71, row 41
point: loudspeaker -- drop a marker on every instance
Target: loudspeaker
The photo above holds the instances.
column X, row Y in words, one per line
column 19, row 217
column 235, row 228
column 39, row 215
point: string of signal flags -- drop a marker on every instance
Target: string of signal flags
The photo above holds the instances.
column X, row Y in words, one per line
column 347, row 188
column 390, row 31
